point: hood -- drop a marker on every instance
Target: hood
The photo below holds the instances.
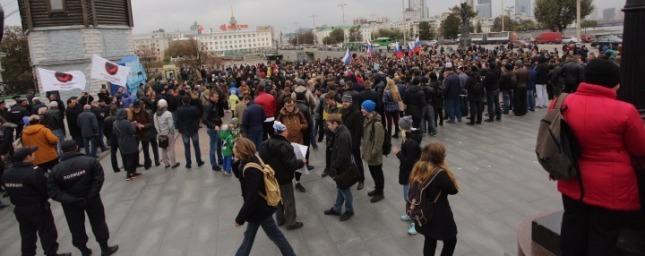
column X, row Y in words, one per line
column 160, row 111
column 284, row 111
column 33, row 129
column 121, row 114
column 414, row 135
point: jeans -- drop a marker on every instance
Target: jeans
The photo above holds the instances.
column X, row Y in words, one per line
column 90, row 145
column 530, row 99
column 186, row 138
column 344, row 196
column 256, row 137
column 507, row 98
column 427, row 120
column 392, row 118
column 406, row 192
column 286, row 210
column 99, row 138
column 61, row 137
column 494, row 110
column 272, row 231
column 228, row 164
column 212, row 151
column 542, row 95
column 454, row 109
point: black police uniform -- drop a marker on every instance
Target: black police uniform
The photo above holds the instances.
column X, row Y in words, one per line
column 76, row 182
column 27, row 188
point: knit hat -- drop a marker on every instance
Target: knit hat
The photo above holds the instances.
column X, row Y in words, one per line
column 278, row 127
column 369, row 106
column 405, row 123
column 602, row 72
column 347, row 97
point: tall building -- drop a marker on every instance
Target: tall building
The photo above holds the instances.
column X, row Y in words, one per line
column 484, row 9
column 416, row 10
column 523, row 8
column 609, row 14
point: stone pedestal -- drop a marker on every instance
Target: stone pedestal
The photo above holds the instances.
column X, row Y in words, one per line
column 71, row 48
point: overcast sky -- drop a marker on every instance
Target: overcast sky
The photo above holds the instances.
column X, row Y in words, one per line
column 175, row 15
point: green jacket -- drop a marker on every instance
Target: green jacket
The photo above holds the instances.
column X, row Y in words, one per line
column 372, row 142
column 228, row 139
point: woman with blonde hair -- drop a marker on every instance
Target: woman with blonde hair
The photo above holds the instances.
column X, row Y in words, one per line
column 392, row 105
column 432, row 171
column 255, row 210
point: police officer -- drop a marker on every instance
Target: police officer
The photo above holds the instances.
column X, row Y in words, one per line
column 27, row 188
column 76, row 182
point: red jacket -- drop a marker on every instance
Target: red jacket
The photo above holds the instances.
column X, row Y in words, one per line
column 610, row 132
column 267, row 101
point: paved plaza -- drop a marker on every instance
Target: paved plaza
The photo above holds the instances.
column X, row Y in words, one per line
column 192, row 211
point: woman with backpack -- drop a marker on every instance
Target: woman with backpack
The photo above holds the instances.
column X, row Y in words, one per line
column 431, row 181
column 256, row 210
column 408, row 154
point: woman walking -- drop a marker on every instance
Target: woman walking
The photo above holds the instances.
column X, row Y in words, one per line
column 431, row 171
column 255, row 210
column 165, row 126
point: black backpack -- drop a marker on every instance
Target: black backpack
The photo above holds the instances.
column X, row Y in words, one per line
column 419, row 207
column 556, row 148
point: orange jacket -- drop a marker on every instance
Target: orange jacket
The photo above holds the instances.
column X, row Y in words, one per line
column 37, row 135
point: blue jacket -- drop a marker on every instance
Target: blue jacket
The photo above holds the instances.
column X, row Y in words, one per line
column 453, row 87
column 253, row 118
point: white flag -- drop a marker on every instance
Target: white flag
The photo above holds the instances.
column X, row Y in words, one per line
column 106, row 70
column 61, row 81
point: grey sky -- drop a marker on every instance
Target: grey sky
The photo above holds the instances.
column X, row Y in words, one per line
column 175, row 15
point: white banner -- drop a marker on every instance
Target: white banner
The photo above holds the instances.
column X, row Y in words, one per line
column 61, row 81
column 106, row 70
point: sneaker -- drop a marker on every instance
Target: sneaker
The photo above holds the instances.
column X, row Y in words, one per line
column 412, row 230
column 110, row 250
column 300, row 188
column 360, row 186
column 405, row 217
column 86, row 252
column 217, row 168
column 295, row 226
column 332, row 212
column 377, row 198
column 346, row 216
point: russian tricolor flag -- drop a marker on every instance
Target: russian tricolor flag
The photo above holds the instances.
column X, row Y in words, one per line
column 397, row 51
column 370, row 50
column 347, row 59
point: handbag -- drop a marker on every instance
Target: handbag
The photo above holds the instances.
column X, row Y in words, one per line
column 163, row 141
column 349, row 177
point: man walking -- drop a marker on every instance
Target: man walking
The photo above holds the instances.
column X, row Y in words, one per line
column 76, row 182
column 26, row 185
column 278, row 153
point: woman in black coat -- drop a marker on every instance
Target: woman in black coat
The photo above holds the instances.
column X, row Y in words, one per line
column 441, row 226
column 408, row 155
column 255, row 211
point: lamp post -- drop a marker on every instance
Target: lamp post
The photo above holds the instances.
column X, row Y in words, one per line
column 342, row 9
column 578, row 19
column 631, row 68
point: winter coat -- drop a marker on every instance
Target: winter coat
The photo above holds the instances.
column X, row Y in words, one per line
column 572, row 74
column 26, row 185
column 164, row 123
column 341, row 151
column 213, row 114
column 306, row 111
column 253, row 119
column 610, row 133
column 373, row 138
column 442, row 224
column 255, row 208
column 148, row 131
column 125, row 133
column 296, row 124
column 542, row 76
column 409, row 155
column 72, row 117
column 453, row 87
column 88, row 123
column 491, row 80
column 389, row 104
column 414, row 100
column 187, row 119
column 278, row 153
column 52, row 119
column 228, row 141
column 37, row 135
column 267, row 101
column 353, row 120
column 75, row 178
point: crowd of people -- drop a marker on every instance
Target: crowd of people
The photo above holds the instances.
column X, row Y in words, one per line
column 360, row 113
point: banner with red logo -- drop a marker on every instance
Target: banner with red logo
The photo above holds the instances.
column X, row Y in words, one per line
column 61, row 81
column 106, row 70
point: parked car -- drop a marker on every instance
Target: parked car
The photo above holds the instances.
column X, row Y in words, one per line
column 549, row 38
column 569, row 40
column 611, row 41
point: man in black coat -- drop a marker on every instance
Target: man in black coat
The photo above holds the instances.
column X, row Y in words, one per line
column 475, row 90
column 414, row 100
column 188, row 126
column 571, row 73
column 278, row 153
column 16, row 113
column 491, row 84
column 76, row 182
column 340, row 156
column 71, row 113
column 26, row 185
column 353, row 120
column 89, row 126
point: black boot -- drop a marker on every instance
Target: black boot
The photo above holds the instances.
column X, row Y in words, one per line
column 85, row 251
column 107, row 250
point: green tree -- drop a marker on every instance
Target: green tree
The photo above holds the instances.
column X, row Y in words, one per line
column 558, row 14
column 425, row 31
column 189, row 53
column 509, row 25
column 336, row 36
column 589, row 24
column 525, row 25
column 450, row 26
column 355, row 34
column 392, row 34
column 478, row 27
column 303, row 38
column 17, row 73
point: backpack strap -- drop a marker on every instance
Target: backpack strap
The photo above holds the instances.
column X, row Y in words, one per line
column 560, row 101
column 260, row 168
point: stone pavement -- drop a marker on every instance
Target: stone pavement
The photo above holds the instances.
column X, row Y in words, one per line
column 191, row 211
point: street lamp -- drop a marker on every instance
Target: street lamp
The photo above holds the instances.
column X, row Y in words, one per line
column 342, row 8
